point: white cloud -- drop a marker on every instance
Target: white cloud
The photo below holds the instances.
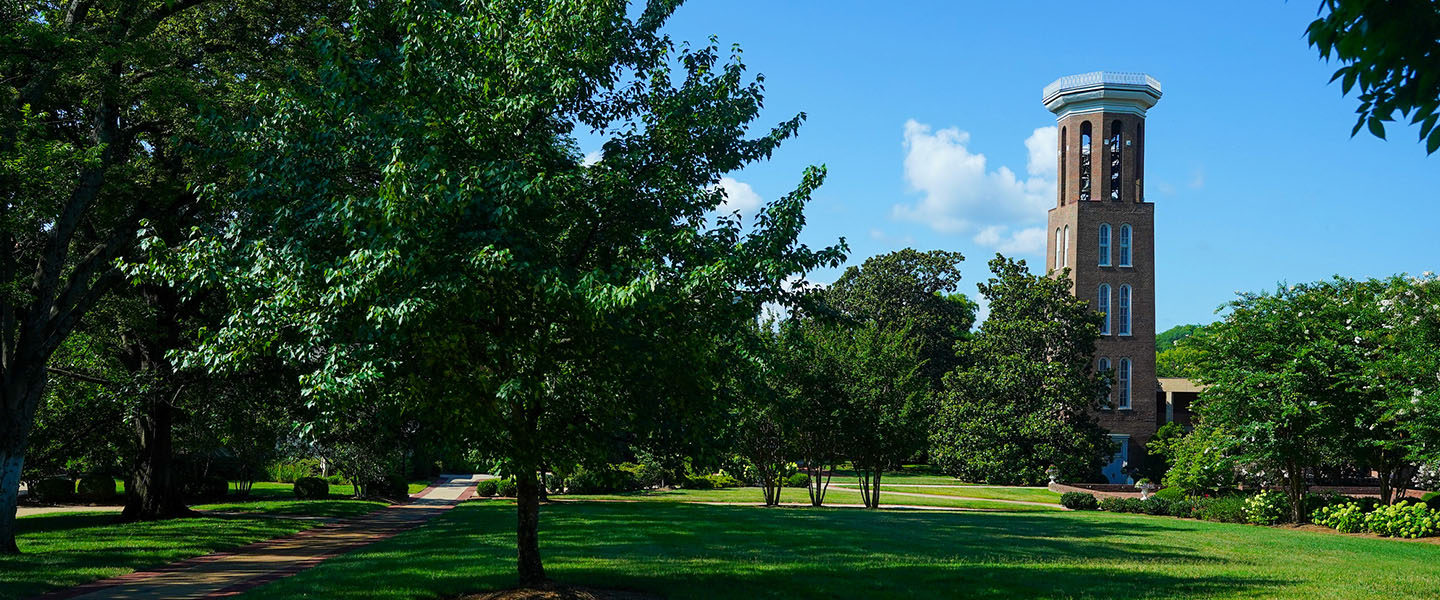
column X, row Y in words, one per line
column 1042, row 145
column 739, row 196
column 961, row 194
column 883, row 237
column 592, row 157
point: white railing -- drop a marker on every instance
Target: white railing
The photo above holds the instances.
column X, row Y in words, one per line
column 1095, row 78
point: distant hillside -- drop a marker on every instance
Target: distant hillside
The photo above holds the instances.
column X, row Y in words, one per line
column 1165, row 340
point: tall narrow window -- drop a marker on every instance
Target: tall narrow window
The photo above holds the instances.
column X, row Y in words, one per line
column 1103, row 306
column 1064, row 153
column 1103, row 366
column 1122, row 315
column 1065, row 248
column 1057, row 248
column 1140, row 162
column 1125, row 245
column 1104, row 244
column 1084, row 161
column 1114, row 143
column 1122, row 381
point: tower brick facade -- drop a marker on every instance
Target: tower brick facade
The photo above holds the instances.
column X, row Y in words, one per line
column 1103, row 230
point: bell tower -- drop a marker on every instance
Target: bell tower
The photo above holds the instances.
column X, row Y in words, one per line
column 1102, row 230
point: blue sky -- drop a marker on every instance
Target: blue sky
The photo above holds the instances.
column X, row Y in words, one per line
column 919, row 108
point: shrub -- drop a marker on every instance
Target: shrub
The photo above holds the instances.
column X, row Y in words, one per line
column 554, row 484
column 1222, row 509
column 1431, row 500
column 312, row 488
column 1403, row 520
column 1156, row 505
column 711, row 482
column 1111, row 504
column 205, row 487
column 506, row 487
column 798, row 480
column 1169, row 493
column 1185, row 507
column 1266, row 508
column 96, row 488
column 337, row 480
column 54, row 490
column 1345, row 518
column 624, row 478
column 390, row 487
column 649, row 475
column 1314, row 502
column 722, row 480
column 291, row 472
column 487, row 488
column 1079, row 501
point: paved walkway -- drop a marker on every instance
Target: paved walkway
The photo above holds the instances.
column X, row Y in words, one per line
column 226, row 574
column 25, row 511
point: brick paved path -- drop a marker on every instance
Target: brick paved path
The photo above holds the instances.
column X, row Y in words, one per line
column 229, row 573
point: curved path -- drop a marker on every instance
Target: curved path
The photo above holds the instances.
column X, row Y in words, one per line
column 229, row 573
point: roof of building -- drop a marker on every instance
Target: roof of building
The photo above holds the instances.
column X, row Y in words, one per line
column 1102, row 90
column 1179, row 384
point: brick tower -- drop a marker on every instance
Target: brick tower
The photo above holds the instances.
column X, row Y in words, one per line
column 1102, row 229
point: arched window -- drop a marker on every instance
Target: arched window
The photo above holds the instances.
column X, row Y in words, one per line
column 1065, row 247
column 1122, row 381
column 1125, row 245
column 1103, row 366
column 1057, row 248
column 1115, row 128
column 1103, row 306
column 1064, row 152
column 1084, row 161
column 1122, row 314
column 1140, row 162
column 1104, row 244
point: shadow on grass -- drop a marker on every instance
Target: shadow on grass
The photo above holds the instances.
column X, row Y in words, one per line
column 65, row 549
column 694, row 551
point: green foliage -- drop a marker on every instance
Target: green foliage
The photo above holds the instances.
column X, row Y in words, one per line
column 207, row 487
column 711, row 482
column 798, row 480
column 1267, row 508
column 54, row 490
column 914, row 289
column 1079, row 501
column 1171, row 337
column 1345, row 518
column 96, row 489
column 1390, row 52
column 1122, row 505
column 392, row 487
column 1155, row 505
column 1222, row 509
column 1027, row 392
column 290, row 472
column 606, row 480
column 1403, row 520
column 312, row 488
column 1432, row 500
column 506, row 487
column 1170, row 493
column 487, row 488
column 1179, row 361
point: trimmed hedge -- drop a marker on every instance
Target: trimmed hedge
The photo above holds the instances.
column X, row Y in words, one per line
column 487, row 488
column 1079, row 501
column 507, row 488
column 798, row 480
column 54, row 490
column 312, row 488
column 96, row 488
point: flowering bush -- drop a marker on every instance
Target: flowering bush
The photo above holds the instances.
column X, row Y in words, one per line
column 1345, row 518
column 1266, row 508
column 1403, row 520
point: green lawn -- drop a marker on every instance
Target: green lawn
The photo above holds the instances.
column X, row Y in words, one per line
column 909, row 475
column 65, row 549
column 997, row 493
column 834, row 496
column 698, row 551
column 304, row 508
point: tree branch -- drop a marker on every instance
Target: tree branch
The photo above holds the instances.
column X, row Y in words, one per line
column 83, row 377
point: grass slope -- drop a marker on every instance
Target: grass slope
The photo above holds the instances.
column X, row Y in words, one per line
column 699, row 551
column 1024, row 494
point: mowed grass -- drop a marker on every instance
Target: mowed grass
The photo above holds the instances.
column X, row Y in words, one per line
column 686, row 551
column 790, row 495
column 1023, row 494
column 297, row 508
column 65, row 549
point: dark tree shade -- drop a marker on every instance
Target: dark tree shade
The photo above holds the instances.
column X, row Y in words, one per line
column 1390, row 51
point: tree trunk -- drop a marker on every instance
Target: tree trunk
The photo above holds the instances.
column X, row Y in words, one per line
column 527, row 531
column 22, row 391
column 875, row 491
column 153, row 493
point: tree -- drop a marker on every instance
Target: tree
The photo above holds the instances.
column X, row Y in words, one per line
column 811, row 389
column 1025, row 394
column 99, row 104
column 909, row 288
column 1199, row 462
column 1390, row 49
column 885, row 397
column 456, row 248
